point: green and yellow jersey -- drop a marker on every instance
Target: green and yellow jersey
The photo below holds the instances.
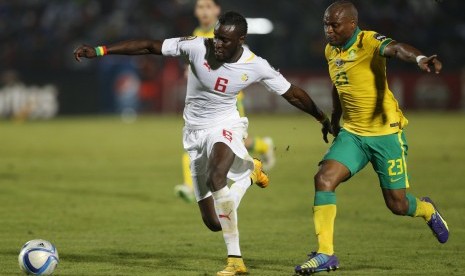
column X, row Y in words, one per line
column 358, row 71
column 208, row 33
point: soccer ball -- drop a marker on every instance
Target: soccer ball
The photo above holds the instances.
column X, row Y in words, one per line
column 38, row 257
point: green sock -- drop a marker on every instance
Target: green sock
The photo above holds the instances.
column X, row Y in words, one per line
column 412, row 204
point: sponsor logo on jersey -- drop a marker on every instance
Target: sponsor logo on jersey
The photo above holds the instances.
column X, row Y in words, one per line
column 380, row 37
column 207, row 65
column 244, row 77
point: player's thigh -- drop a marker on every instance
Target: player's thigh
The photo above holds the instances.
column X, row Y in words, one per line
column 347, row 149
column 219, row 163
column 231, row 135
column 389, row 160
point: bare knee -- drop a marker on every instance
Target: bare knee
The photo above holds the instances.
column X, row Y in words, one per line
column 398, row 206
column 330, row 174
column 324, row 182
column 219, row 163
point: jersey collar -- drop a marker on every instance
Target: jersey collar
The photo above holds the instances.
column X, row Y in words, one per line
column 245, row 55
column 352, row 39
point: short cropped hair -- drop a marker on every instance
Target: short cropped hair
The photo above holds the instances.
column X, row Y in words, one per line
column 236, row 19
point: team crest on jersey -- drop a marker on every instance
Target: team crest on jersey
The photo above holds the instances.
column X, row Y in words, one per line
column 352, row 54
column 379, row 37
column 187, row 38
column 339, row 62
column 244, row 77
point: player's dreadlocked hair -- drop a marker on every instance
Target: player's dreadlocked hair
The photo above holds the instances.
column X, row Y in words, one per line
column 236, row 19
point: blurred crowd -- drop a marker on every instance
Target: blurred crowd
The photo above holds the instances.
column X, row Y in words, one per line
column 41, row 34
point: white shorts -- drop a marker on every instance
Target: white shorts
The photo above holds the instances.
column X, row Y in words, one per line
column 199, row 144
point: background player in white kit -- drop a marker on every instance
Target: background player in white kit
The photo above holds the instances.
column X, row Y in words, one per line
column 214, row 132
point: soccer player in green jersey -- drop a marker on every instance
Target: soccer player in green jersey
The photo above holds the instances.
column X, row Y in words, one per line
column 372, row 129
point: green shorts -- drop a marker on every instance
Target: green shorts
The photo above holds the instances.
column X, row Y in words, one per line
column 387, row 154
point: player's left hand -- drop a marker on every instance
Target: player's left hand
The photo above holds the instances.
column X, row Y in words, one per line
column 427, row 63
column 326, row 128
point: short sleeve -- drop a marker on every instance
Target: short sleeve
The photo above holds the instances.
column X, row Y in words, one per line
column 378, row 41
column 273, row 79
column 180, row 45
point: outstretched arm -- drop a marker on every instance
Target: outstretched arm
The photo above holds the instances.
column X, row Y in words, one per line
column 130, row 47
column 300, row 99
column 409, row 53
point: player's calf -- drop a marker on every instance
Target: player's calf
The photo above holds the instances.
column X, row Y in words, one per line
column 398, row 207
column 209, row 216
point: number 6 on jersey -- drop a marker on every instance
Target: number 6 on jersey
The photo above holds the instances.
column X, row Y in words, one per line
column 220, row 84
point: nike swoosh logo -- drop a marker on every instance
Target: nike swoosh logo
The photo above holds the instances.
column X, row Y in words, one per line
column 395, row 179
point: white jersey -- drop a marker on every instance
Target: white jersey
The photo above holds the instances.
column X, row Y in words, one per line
column 212, row 87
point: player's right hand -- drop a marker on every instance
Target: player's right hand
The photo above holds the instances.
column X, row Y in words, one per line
column 326, row 128
column 84, row 51
column 335, row 127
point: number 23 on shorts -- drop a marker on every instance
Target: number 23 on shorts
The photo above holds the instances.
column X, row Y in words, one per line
column 396, row 167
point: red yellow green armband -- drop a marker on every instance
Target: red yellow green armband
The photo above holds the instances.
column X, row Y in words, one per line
column 100, row 51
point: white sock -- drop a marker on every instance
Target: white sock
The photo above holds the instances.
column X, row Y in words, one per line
column 227, row 214
column 239, row 188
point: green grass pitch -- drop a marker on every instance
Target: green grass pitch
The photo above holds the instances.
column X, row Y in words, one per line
column 102, row 192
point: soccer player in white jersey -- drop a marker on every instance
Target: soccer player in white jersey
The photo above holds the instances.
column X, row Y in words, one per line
column 214, row 132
